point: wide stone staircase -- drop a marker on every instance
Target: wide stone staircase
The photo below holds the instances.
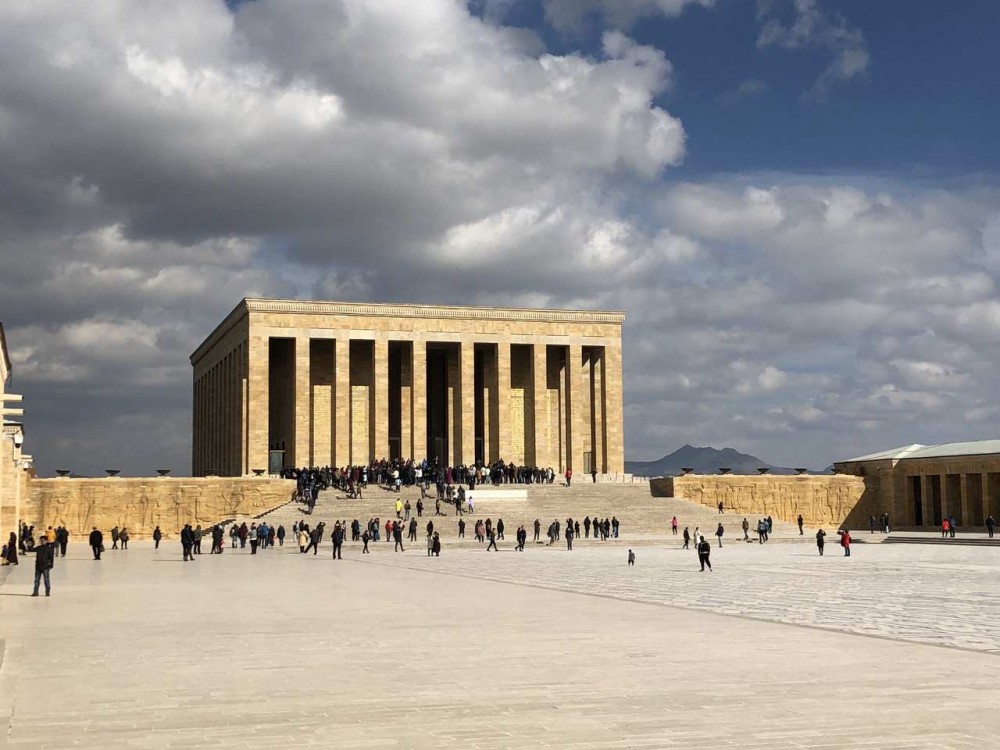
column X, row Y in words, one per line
column 643, row 519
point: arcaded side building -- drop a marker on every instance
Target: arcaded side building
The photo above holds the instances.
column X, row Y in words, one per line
column 303, row 383
column 920, row 485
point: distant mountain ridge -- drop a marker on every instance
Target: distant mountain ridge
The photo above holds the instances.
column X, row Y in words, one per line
column 705, row 460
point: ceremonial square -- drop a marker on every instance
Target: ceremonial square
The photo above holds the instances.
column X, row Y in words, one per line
column 545, row 648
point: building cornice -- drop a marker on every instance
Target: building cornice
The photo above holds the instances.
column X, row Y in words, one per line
column 390, row 310
column 383, row 310
column 238, row 313
column 5, row 367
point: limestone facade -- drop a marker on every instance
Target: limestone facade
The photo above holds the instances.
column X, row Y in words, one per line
column 14, row 463
column 141, row 504
column 920, row 486
column 822, row 500
column 328, row 383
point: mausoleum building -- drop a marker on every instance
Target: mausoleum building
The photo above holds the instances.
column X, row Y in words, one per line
column 283, row 383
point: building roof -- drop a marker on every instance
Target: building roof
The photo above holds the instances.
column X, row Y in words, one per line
column 944, row 450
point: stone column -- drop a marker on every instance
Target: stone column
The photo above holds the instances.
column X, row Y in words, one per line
column 379, row 428
column 599, row 430
column 575, row 405
column 926, row 500
column 613, row 417
column 419, row 422
column 300, row 453
column 467, row 385
column 406, row 401
column 539, row 381
column 943, row 480
column 964, row 496
column 342, row 401
column 986, row 492
column 500, row 408
column 244, row 413
column 258, row 383
column 454, row 405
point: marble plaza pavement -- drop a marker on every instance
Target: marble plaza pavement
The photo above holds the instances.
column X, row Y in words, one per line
column 896, row 647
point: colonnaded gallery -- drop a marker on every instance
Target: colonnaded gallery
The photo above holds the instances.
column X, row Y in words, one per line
column 283, row 383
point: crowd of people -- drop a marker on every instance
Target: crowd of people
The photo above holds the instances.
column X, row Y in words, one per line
column 397, row 473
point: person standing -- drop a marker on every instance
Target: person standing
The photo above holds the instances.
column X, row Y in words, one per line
column 114, row 538
column 157, row 536
column 799, row 521
column 281, row 535
column 719, row 532
column 254, row 541
column 538, row 529
column 338, row 540
column 569, row 477
column 437, row 545
column 720, row 508
column 96, row 543
column 187, row 542
column 430, row 545
column 746, row 530
column 991, row 524
column 687, row 539
column 198, row 534
column 44, row 553
column 952, row 523
column 704, row 553
column 123, row 537
column 461, row 528
column 820, row 541
column 845, row 542
column 631, row 558
column 569, row 537
column 673, row 526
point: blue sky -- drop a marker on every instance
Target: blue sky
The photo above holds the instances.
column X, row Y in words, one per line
column 794, row 201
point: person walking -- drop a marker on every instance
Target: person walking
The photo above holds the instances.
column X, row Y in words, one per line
column 436, row 549
column 820, row 541
column 303, row 540
column 254, row 541
column 720, row 508
column 799, row 521
column 493, row 541
column 991, row 524
column 10, row 551
column 719, row 532
column 157, row 536
column 397, row 535
column 123, row 537
column 631, row 558
column 62, row 539
column 45, row 560
column 704, row 553
column 952, row 524
column 746, row 530
column 96, row 543
column 687, row 539
column 281, row 535
column 673, row 526
column 461, row 528
column 114, row 538
column 365, row 537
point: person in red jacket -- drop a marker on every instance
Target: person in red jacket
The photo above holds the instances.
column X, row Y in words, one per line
column 845, row 542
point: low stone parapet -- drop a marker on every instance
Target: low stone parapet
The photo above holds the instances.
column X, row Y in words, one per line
column 141, row 504
column 832, row 500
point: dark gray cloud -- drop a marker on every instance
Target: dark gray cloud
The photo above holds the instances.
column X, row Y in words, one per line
column 158, row 162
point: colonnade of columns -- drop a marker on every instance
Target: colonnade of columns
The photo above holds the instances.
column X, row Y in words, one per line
column 969, row 497
column 347, row 400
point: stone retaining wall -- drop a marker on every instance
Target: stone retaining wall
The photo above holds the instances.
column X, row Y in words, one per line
column 140, row 504
column 826, row 500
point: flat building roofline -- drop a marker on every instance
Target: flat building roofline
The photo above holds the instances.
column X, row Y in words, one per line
column 404, row 310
